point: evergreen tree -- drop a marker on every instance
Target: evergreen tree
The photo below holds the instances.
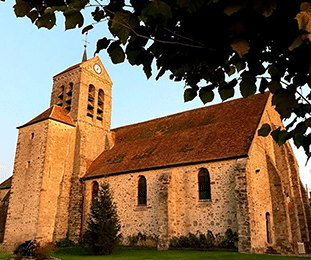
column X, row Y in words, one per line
column 101, row 235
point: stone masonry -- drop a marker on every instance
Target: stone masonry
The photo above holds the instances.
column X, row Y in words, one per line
column 254, row 184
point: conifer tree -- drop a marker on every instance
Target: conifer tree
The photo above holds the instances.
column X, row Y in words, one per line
column 101, row 235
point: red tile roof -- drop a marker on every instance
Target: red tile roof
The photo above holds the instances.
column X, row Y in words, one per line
column 54, row 112
column 214, row 132
column 6, row 184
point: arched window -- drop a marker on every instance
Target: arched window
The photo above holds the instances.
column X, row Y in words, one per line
column 142, row 191
column 90, row 103
column 204, row 184
column 268, row 228
column 95, row 189
column 100, row 105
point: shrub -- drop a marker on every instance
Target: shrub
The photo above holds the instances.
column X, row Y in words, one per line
column 210, row 239
column 65, row 242
column 205, row 241
column 101, row 235
column 229, row 239
column 193, row 240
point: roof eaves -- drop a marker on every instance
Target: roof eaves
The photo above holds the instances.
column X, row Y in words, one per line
column 165, row 166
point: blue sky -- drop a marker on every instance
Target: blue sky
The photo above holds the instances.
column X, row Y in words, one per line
column 30, row 57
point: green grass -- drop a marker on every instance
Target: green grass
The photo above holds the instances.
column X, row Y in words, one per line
column 137, row 254
column 4, row 255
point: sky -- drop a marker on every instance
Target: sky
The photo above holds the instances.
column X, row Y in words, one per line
column 30, row 57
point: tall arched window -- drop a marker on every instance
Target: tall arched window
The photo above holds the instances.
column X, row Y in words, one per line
column 268, row 228
column 90, row 103
column 204, row 184
column 142, row 191
column 100, row 105
column 95, row 190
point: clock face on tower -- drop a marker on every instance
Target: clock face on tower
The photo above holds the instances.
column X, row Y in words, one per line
column 97, row 68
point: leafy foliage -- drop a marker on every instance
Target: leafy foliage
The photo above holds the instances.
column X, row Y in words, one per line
column 203, row 43
column 65, row 242
column 101, row 235
column 204, row 241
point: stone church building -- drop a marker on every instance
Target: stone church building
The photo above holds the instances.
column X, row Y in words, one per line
column 204, row 169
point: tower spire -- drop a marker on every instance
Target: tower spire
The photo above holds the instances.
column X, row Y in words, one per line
column 84, row 57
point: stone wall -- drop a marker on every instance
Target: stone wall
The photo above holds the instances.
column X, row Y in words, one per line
column 274, row 191
column 24, row 203
column 173, row 206
column 43, row 159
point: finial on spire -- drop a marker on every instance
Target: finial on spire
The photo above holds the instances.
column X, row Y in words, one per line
column 84, row 58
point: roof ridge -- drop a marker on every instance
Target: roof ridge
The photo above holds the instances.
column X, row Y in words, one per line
column 187, row 111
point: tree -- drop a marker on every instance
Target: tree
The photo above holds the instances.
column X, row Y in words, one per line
column 211, row 45
column 101, row 235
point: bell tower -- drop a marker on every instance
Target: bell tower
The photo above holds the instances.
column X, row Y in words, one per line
column 84, row 90
column 53, row 152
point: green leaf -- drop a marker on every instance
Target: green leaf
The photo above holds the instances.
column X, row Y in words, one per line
column 102, row 44
column 264, row 130
column 247, row 85
column 87, row 28
column 231, row 71
column 73, row 18
column 206, row 95
column 284, row 101
column 21, row 8
column 274, row 86
column 157, row 9
column 132, row 54
column 148, row 70
column 275, row 73
column 189, row 94
column 308, row 122
column 47, row 20
column 191, row 5
column 33, row 15
column 279, row 136
column 116, row 53
column 121, row 25
column 227, row 90
column 240, row 66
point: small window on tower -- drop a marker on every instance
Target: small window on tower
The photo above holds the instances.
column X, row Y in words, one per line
column 90, row 101
column 32, row 135
column 100, row 105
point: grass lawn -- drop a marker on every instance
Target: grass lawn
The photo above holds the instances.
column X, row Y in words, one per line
column 137, row 254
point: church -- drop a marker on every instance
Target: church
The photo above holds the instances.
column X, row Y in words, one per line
column 199, row 170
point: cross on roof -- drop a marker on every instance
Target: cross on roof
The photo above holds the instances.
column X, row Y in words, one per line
column 84, row 58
